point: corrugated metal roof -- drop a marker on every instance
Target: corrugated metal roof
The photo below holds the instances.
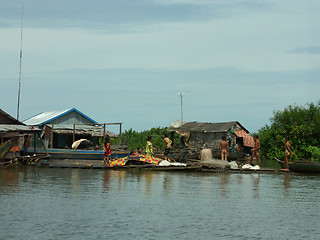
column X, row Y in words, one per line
column 46, row 117
column 17, row 128
column 248, row 140
column 206, row 127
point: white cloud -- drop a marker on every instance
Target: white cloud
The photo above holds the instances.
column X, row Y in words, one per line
column 239, row 42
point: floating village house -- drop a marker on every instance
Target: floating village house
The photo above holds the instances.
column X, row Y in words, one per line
column 196, row 135
column 62, row 128
column 12, row 135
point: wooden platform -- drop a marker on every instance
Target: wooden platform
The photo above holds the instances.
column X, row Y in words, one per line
column 157, row 168
column 262, row 170
column 98, row 164
column 71, row 163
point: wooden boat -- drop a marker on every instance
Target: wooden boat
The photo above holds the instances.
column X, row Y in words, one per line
column 140, row 163
column 83, row 154
column 302, row 166
column 157, row 168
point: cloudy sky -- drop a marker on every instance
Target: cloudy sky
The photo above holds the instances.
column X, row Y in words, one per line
column 127, row 60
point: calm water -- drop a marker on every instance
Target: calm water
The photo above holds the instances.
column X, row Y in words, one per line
column 45, row 203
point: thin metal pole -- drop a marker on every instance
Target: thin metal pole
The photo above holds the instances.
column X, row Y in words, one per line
column 19, row 89
column 181, row 94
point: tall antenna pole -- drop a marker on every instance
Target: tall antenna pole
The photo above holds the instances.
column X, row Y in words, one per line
column 181, row 94
column 19, row 89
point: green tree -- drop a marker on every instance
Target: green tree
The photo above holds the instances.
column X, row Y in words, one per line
column 136, row 139
column 301, row 124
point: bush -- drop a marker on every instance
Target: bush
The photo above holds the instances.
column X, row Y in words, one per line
column 301, row 124
column 313, row 153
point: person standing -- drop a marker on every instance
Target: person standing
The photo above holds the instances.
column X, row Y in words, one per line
column 149, row 147
column 26, row 145
column 107, row 151
column 287, row 153
column 255, row 149
column 224, row 148
column 168, row 147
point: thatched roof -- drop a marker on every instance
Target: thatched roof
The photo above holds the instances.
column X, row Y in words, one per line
column 93, row 130
column 206, row 127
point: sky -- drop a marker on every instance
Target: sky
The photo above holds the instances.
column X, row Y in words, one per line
column 127, row 61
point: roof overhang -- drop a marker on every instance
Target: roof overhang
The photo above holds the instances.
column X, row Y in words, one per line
column 10, row 130
column 17, row 128
column 93, row 130
column 206, row 127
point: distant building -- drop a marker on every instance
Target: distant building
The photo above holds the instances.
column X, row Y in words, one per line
column 12, row 133
column 197, row 135
column 62, row 128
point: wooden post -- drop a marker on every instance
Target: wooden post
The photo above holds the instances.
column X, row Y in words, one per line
column 172, row 138
column 51, row 140
column 43, row 145
column 104, row 131
column 74, row 133
column 34, row 143
column 120, row 133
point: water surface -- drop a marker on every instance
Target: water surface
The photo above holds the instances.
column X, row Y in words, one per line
column 47, row 203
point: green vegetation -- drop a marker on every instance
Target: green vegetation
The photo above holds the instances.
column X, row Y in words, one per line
column 301, row 124
column 139, row 139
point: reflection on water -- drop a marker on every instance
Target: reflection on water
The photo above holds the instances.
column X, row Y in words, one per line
column 223, row 182
column 286, row 184
column 9, row 180
column 166, row 184
column 88, row 204
column 106, row 181
column 255, row 182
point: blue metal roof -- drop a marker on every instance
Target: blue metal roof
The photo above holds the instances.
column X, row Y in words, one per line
column 46, row 117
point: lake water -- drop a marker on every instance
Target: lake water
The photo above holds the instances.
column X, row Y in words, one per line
column 47, row 203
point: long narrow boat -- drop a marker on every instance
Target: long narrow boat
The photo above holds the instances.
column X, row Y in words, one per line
column 83, row 154
column 302, row 166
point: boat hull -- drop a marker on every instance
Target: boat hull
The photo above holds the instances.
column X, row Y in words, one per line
column 302, row 166
column 81, row 154
column 305, row 167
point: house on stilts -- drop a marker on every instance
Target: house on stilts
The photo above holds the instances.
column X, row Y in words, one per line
column 62, row 128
